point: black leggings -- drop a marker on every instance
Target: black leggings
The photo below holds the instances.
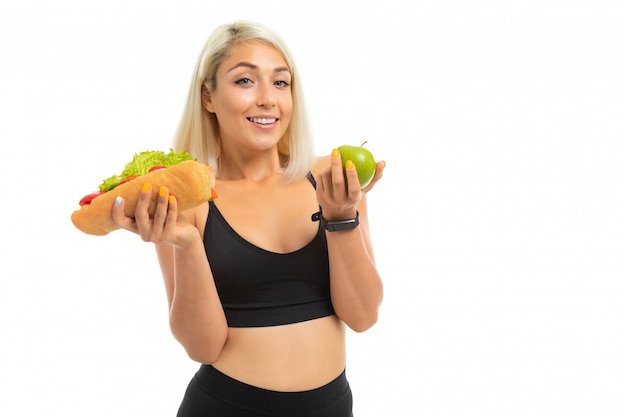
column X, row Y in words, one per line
column 213, row 394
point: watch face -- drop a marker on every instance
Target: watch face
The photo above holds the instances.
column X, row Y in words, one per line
column 341, row 225
column 344, row 225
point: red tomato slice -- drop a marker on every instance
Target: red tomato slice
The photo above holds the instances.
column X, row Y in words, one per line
column 132, row 177
column 87, row 199
column 154, row 168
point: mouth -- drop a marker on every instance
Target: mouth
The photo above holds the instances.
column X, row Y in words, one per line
column 263, row 120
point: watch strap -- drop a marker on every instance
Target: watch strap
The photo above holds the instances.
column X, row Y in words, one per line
column 336, row 225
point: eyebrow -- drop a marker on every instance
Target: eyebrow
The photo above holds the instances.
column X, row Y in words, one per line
column 255, row 67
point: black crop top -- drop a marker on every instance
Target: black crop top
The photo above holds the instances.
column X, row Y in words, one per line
column 260, row 288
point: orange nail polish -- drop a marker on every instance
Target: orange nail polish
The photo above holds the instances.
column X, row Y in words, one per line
column 335, row 152
column 162, row 191
column 171, row 199
column 146, row 188
column 349, row 164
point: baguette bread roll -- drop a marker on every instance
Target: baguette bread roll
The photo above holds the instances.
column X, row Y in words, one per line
column 191, row 182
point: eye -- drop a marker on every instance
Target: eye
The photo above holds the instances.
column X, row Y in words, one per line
column 283, row 84
column 244, row 81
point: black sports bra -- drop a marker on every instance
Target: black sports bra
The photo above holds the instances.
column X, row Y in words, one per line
column 261, row 288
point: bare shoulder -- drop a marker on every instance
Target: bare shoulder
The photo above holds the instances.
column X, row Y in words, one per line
column 320, row 164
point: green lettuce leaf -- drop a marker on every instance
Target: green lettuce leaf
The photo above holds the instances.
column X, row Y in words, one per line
column 141, row 164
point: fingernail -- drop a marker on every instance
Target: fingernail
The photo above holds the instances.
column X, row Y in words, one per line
column 335, row 152
column 162, row 191
column 349, row 164
column 146, row 188
column 384, row 164
column 171, row 199
column 118, row 200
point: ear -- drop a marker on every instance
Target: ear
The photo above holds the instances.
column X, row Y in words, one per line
column 207, row 103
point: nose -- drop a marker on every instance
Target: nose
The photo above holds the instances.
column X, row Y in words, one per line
column 266, row 97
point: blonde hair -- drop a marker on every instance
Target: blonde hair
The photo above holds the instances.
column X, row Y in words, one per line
column 198, row 131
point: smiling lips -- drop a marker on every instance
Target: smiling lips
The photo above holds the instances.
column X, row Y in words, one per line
column 263, row 120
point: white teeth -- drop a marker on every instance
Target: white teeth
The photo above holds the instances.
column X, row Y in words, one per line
column 262, row 120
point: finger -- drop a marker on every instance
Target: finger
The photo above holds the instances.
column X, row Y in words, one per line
column 324, row 180
column 142, row 215
column 380, row 166
column 143, row 203
column 172, row 215
column 160, row 213
column 353, row 186
column 336, row 172
column 119, row 217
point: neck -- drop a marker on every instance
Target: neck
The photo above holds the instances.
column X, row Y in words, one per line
column 255, row 168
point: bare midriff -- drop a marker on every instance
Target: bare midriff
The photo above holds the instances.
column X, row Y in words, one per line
column 293, row 357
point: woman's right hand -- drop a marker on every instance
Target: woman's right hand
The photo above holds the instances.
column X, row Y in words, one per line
column 167, row 225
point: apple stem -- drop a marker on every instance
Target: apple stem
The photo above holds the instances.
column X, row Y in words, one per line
column 363, row 144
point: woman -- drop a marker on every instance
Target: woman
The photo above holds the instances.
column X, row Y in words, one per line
column 259, row 290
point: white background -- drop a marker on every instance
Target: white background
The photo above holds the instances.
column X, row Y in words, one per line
column 499, row 226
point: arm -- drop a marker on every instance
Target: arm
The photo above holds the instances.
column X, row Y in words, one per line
column 196, row 316
column 356, row 286
column 197, row 319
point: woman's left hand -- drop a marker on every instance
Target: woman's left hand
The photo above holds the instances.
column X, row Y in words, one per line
column 338, row 195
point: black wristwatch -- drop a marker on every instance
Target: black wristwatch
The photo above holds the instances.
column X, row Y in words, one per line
column 336, row 226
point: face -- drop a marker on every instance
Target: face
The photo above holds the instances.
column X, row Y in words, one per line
column 252, row 100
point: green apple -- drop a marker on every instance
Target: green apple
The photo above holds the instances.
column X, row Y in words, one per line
column 363, row 162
